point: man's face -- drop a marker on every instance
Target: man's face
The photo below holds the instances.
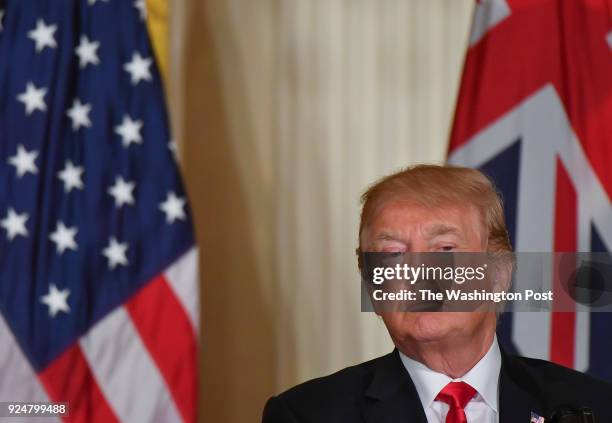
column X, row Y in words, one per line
column 407, row 227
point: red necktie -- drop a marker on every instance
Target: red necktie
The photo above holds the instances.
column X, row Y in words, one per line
column 456, row 395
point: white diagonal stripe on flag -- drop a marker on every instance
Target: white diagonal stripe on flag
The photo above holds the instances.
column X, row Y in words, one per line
column 125, row 372
column 182, row 277
column 487, row 14
column 23, row 385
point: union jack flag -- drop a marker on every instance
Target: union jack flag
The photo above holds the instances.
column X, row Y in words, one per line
column 535, row 113
column 98, row 264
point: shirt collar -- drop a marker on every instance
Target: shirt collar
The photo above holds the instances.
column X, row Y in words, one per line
column 483, row 377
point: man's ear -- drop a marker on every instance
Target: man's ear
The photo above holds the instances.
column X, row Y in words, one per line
column 504, row 263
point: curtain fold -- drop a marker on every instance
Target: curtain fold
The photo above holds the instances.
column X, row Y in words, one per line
column 285, row 111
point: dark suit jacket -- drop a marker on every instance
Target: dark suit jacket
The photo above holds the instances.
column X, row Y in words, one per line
column 381, row 390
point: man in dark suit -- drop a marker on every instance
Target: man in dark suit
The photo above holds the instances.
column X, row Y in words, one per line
column 447, row 367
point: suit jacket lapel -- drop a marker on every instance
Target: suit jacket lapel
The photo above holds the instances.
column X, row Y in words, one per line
column 519, row 393
column 391, row 395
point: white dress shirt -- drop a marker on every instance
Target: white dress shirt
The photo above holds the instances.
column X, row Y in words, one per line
column 483, row 377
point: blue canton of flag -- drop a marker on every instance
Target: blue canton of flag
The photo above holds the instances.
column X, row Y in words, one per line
column 96, row 240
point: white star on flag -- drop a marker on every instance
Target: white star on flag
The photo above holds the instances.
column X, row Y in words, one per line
column 56, row 300
column 24, row 161
column 172, row 147
column 63, row 237
column 91, row 2
column 138, row 68
column 122, row 192
column 43, row 35
column 79, row 114
column 71, row 176
column 115, row 253
column 173, row 207
column 87, row 52
column 33, row 98
column 141, row 5
column 129, row 130
column 14, row 223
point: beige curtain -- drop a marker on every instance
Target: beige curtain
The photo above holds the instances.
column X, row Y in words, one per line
column 284, row 112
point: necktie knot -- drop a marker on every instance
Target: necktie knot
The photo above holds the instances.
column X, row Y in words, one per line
column 456, row 395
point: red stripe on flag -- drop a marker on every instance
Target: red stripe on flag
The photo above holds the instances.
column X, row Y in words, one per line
column 563, row 324
column 69, row 378
column 167, row 333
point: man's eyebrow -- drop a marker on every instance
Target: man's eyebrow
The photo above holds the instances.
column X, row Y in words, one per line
column 441, row 229
column 387, row 236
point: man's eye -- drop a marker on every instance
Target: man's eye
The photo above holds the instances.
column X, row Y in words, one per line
column 391, row 258
column 447, row 248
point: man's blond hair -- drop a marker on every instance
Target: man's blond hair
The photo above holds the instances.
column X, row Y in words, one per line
column 433, row 186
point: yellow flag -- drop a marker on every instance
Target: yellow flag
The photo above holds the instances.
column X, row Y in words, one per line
column 157, row 23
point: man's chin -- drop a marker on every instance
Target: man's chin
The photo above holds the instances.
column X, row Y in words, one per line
column 431, row 326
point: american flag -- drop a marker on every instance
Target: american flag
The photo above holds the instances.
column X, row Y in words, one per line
column 98, row 264
column 535, row 113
